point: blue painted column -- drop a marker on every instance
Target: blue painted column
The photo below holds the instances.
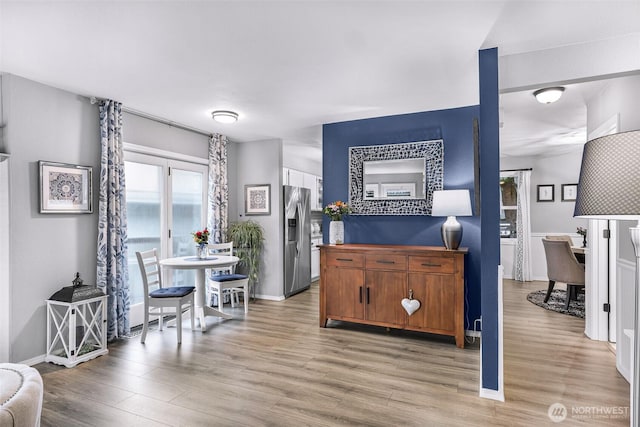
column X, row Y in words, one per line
column 489, row 214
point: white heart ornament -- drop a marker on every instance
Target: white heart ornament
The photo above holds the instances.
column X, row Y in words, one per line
column 410, row 305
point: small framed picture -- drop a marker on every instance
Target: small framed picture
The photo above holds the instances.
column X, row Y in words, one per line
column 257, row 199
column 569, row 192
column 65, row 188
column 546, row 193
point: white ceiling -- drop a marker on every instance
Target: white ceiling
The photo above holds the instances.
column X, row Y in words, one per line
column 287, row 67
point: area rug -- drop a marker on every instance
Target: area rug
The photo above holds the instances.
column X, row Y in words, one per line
column 557, row 301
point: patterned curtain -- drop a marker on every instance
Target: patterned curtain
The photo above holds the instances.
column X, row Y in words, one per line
column 217, row 214
column 112, row 272
column 522, row 265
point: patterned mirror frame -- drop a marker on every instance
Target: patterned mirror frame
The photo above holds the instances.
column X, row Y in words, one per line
column 431, row 151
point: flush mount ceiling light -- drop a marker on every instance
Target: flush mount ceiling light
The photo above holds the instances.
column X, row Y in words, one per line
column 224, row 116
column 548, row 94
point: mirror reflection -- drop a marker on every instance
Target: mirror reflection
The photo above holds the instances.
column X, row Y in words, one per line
column 394, row 179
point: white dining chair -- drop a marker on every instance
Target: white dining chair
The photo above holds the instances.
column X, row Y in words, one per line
column 173, row 299
column 226, row 280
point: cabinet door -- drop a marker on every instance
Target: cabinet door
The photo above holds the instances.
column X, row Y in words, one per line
column 310, row 183
column 315, row 263
column 437, row 296
column 383, row 293
column 344, row 292
column 319, row 192
column 296, row 178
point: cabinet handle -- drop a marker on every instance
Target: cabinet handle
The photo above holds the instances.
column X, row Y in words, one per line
column 431, row 265
column 344, row 259
column 385, row 262
column 367, row 295
column 360, row 294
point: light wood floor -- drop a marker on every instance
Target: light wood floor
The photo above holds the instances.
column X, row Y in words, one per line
column 276, row 367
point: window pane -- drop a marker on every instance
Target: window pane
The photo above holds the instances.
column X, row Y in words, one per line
column 508, row 221
column 144, row 210
column 508, row 191
column 508, row 206
column 186, row 196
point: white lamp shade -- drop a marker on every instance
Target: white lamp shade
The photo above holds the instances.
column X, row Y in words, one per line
column 609, row 184
column 451, row 203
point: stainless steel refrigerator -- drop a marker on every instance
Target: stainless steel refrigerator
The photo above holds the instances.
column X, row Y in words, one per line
column 297, row 239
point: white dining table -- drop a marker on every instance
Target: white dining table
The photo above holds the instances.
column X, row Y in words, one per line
column 200, row 266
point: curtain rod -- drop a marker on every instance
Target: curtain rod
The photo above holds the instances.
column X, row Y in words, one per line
column 157, row 119
column 516, row 170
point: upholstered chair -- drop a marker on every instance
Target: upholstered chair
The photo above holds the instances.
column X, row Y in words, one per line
column 563, row 267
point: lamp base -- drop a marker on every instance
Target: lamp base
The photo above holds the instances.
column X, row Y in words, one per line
column 451, row 233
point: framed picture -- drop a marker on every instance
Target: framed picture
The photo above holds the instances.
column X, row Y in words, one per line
column 65, row 188
column 546, row 193
column 569, row 192
column 257, row 199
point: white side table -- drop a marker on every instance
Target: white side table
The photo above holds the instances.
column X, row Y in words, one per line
column 76, row 331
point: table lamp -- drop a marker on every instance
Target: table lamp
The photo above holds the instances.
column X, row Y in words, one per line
column 451, row 203
column 609, row 188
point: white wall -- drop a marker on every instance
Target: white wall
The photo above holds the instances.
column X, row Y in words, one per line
column 303, row 158
column 556, row 216
column 260, row 162
column 620, row 96
column 5, row 290
column 45, row 123
column 141, row 131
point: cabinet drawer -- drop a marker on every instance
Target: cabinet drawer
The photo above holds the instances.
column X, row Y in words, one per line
column 386, row 262
column 345, row 259
column 431, row 264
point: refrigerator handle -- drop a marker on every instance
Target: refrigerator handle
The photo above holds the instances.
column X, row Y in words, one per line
column 299, row 229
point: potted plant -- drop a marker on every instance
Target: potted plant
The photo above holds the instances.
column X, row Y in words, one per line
column 247, row 238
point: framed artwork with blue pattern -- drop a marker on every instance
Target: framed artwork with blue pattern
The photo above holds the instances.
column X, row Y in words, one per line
column 65, row 188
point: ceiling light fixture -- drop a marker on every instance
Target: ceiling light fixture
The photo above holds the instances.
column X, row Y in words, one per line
column 224, row 116
column 548, row 94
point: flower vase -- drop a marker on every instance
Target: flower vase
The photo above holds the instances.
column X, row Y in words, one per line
column 201, row 251
column 584, row 241
column 336, row 232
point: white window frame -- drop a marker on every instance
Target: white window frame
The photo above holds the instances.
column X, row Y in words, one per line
column 508, row 208
column 167, row 160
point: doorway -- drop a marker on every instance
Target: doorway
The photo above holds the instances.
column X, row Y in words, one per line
column 166, row 202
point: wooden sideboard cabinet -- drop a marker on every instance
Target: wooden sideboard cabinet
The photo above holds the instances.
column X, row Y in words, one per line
column 366, row 284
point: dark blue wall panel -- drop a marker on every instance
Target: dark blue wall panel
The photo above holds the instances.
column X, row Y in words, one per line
column 489, row 210
column 455, row 128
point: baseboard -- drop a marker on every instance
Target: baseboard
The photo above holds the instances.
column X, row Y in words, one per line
column 488, row 393
column 33, row 360
column 270, row 297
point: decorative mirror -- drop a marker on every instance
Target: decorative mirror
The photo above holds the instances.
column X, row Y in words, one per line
column 395, row 179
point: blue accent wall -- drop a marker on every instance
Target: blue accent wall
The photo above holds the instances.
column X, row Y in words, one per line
column 455, row 128
column 489, row 211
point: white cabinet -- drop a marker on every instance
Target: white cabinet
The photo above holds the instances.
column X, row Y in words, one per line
column 310, row 183
column 315, row 258
column 319, row 192
column 295, row 178
column 305, row 180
